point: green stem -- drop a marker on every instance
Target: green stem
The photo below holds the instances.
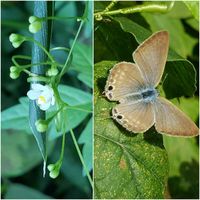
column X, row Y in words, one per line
column 62, row 149
column 60, row 49
column 81, row 157
column 52, row 117
column 28, row 65
column 57, row 96
column 38, row 79
column 111, row 5
column 66, row 65
column 153, row 7
column 22, row 57
column 35, row 64
column 28, row 72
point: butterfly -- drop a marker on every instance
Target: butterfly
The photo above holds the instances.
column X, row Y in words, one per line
column 133, row 86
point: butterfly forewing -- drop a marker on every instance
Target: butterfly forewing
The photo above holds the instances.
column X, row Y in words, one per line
column 170, row 120
column 124, row 79
column 135, row 117
column 151, row 57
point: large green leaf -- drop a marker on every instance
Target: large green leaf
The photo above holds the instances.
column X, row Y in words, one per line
column 74, row 96
column 19, row 191
column 82, row 62
column 74, row 118
column 19, row 153
column 112, row 43
column 126, row 165
column 86, row 139
column 16, row 117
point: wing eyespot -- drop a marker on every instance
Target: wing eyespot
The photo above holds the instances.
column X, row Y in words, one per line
column 110, row 95
column 119, row 116
column 110, row 87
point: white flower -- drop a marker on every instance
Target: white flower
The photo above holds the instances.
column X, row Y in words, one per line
column 43, row 94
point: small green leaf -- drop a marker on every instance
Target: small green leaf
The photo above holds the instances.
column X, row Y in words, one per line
column 139, row 32
column 86, row 139
column 193, row 7
column 126, row 165
column 179, row 11
column 193, row 23
column 19, row 191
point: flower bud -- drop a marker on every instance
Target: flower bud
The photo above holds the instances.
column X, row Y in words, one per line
column 16, row 40
column 54, row 173
column 35, row 26
column 52, row 72
column 32, row 19
column 51, row 167
column 41, row 125
column 13, row 37
column 14, row 75
column 13, row 69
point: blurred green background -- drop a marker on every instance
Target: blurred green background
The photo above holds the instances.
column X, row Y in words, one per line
column 21, row 160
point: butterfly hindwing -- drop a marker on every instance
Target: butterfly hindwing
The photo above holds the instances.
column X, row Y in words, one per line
column 170, row 120
column 136, row 117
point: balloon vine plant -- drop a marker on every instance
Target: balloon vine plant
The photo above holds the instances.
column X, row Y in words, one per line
column 44, row 77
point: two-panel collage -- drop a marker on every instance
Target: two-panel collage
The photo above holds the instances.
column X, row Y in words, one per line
column 99, row 99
